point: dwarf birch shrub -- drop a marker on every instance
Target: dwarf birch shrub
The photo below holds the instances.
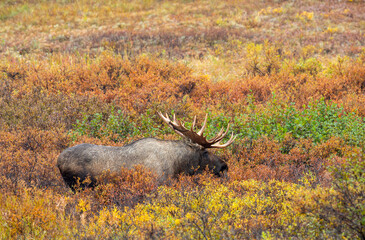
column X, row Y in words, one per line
column 116, row 126
column 318, row 121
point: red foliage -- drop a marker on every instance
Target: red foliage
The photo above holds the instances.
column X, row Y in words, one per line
column 266, row 159
column 127, row 188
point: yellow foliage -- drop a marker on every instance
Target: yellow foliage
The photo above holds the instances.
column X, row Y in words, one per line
column 62, row 60
column 331, row 30
column 305, row 16
column 83, row 206
column 270, row 10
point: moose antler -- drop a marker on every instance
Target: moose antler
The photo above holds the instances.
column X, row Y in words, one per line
column 197, row 137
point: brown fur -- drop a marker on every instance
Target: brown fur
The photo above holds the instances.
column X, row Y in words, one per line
column 163, row 157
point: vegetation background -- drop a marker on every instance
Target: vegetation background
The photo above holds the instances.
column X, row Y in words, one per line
column 288, row 75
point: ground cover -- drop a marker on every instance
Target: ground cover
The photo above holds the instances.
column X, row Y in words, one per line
column 289, row 76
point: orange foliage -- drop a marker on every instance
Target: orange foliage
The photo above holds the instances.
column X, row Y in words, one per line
column 54, row 73
column 266, row 159
column 141, row 82
column 28, row 158
column 128, row 188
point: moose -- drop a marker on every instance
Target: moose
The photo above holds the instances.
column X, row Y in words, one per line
column 166, row 158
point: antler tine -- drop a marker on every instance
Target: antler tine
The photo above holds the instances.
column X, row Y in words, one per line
column 176, row 123
column 193, row 125
column 220, row 135
column 212, row 140
column 200, row 133
column 165, row 119
column 229, row 142
column 173, row 124
column 182, row 135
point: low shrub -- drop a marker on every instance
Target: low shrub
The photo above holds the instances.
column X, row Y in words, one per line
column 318, row 121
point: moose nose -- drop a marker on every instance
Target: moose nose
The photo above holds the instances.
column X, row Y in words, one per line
column 223, row 171
column 224, row 167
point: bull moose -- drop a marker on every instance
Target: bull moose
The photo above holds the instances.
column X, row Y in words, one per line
column 166, row 158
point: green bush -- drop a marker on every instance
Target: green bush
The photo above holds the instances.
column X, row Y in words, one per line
column 116, row 126
column 319, row 121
